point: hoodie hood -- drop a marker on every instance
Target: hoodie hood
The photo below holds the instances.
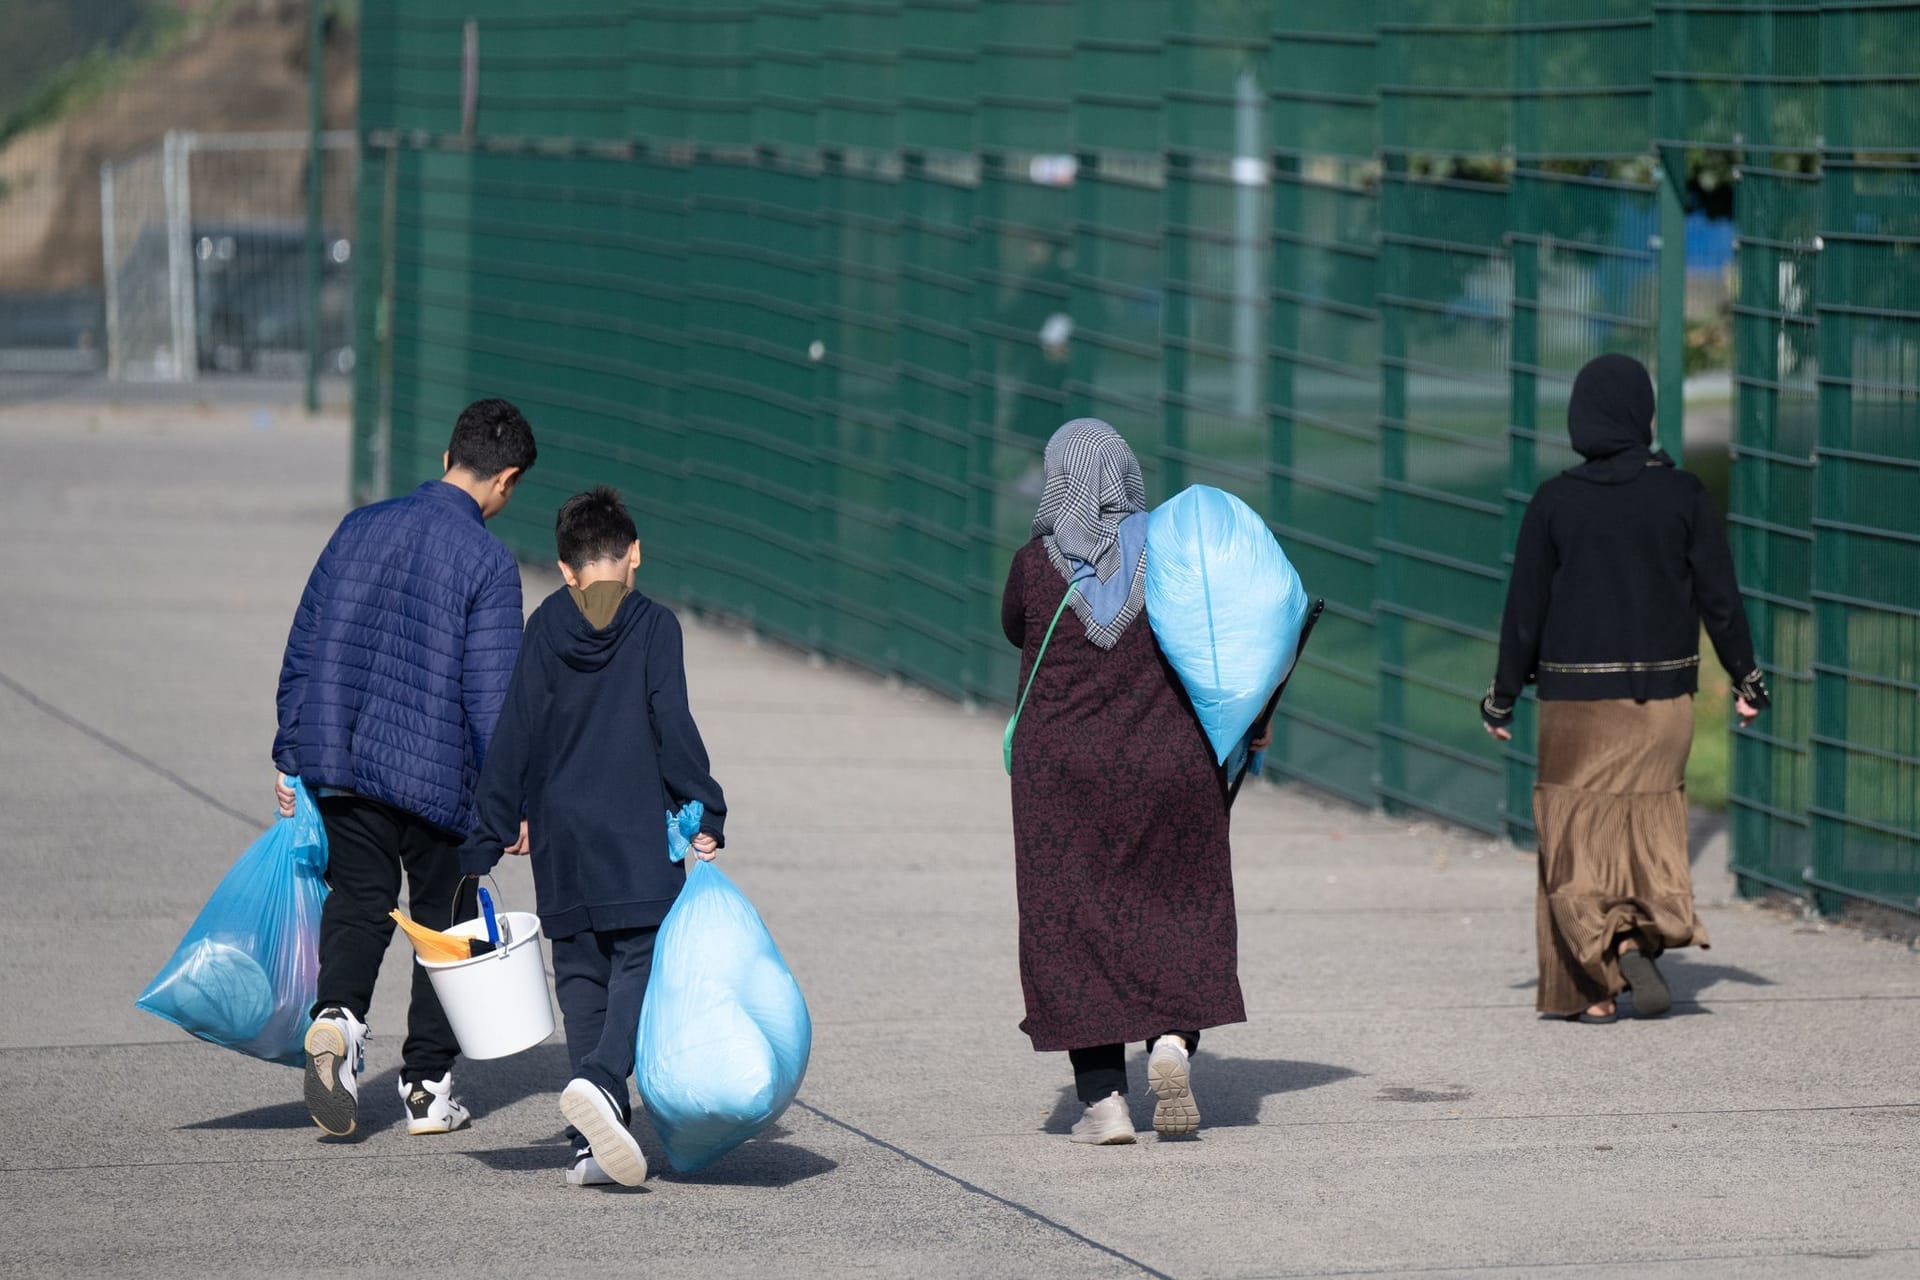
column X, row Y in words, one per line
column 1610, row 419
column 599, row 601
column 579, row 643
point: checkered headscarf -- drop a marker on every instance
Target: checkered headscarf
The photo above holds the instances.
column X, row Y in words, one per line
column 1093, row 482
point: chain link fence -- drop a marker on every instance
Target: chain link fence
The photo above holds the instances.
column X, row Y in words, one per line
column 204, row 240
column 830, row 272
column 52, row 318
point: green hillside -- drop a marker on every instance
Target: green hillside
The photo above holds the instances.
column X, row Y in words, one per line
column 57, row 53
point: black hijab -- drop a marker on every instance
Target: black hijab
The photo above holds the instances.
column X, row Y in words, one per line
column 1610, row 417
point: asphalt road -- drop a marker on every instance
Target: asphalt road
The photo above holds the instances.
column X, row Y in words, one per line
column 1392, row 1108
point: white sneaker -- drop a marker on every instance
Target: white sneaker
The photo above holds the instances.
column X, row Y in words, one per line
column 585, row 1171
column 592, row 1111
column 431, row 1106
column 1170, row 1078
column 336, row 1047
column 1106, row 1123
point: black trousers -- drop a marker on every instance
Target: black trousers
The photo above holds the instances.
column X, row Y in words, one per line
column 1102, row 1069
column 369, row 846
column 601, row 979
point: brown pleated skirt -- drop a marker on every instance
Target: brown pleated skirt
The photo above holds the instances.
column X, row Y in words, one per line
column 1610, row 809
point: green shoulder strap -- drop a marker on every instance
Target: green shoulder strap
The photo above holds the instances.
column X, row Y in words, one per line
column 1006, row 743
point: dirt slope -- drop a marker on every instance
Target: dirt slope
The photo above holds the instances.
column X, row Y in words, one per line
column 246, row 72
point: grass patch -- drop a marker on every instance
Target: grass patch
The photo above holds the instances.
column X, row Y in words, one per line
column 1711, row 763
column 1710, row 766
column 1714, row 465
column 160, row 29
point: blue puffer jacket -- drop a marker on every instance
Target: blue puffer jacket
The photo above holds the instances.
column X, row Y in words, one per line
column 400, row 654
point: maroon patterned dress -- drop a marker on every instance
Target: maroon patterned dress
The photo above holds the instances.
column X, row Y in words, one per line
column 1125, row 880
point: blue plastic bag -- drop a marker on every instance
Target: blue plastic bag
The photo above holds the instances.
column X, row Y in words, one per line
column 1227, row 608
column 724, row 1032
column 244, row 977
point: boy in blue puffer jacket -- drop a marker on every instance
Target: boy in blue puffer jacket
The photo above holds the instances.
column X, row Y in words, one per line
column 394, row 674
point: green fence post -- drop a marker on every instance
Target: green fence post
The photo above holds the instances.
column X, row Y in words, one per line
column 1283, row 336
column 1523, row 471
column 1524, row 228
column 1671, row 391
column 316, row 170
column 1176, row 322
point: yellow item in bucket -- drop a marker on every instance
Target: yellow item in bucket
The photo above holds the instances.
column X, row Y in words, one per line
column 433, row 945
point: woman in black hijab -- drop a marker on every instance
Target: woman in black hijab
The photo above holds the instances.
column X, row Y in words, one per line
column 1620, row 561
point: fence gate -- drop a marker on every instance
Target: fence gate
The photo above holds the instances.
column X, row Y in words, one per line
column 204, row 241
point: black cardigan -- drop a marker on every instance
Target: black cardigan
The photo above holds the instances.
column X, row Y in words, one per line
column 1618, row 564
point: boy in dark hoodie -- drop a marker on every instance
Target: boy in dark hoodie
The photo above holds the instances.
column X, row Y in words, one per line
column 595, row 745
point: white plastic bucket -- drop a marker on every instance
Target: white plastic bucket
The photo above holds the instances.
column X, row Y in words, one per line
column 497, row 1002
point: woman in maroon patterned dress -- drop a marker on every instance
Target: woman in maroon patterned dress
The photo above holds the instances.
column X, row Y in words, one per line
column 1127, row 928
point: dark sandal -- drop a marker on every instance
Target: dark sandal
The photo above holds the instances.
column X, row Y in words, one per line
column 1594, row 1019
column 1651, row 999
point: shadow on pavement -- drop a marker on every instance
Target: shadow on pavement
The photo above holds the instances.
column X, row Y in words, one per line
column 379, row 1110
column 485, row 1087
column 1689, row 979
column 549, row 1157
column 1703, row 825
column 1229, row 1090
column 493, row 1086
column 764, row 1162
column 767, row 1161
column 281, row 1115
column 760, row 1163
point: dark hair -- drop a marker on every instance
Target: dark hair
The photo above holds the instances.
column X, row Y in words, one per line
column 593, row 526
column 491, row 436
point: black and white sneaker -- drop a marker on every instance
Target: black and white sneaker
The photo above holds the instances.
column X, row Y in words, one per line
column 336, row 1047
column 596, row 1115
column 431, row 1106
column 585, row 1171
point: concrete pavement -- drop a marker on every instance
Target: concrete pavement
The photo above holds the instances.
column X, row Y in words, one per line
column 1392, row 1108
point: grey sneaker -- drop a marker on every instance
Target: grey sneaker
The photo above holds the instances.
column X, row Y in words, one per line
column 596, row 1115
column 336, row 1054
column 1170, row 1078
column 1106, row 1123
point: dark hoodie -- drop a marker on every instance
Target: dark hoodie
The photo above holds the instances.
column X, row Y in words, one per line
column 595, row 744
column 1620, row 560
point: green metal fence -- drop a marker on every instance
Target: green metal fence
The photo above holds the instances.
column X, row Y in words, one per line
column 1744, row 80
column 1866, row 522
column 1816, row 103
column 812, row 282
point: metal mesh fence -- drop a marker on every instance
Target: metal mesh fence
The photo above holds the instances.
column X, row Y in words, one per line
column 52, row 314
column 1817, row 109
column 1866, row 563
column 1324, row 424
column 145, row 266
column 1445, row 285
column 813, row 282
column 1744, row 79
column 205, row 244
